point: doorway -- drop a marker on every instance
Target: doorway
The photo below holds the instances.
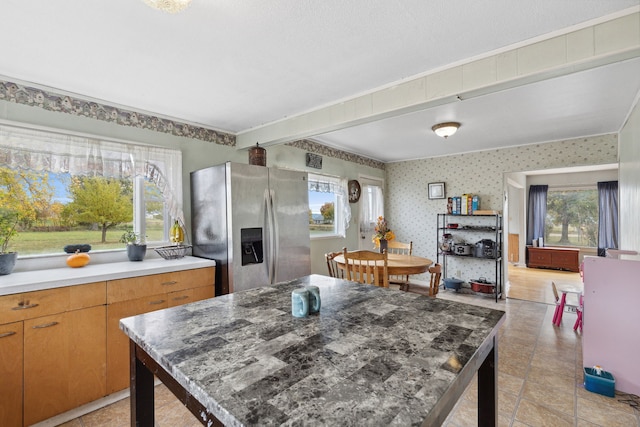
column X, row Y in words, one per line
column 371, row 207
column 534, row 284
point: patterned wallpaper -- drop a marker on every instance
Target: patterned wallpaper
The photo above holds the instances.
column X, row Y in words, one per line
column 413, row 216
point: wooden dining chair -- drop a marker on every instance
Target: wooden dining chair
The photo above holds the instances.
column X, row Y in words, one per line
column 366, row 267
column 434, row 283
column 395, row 247
column 332, row 266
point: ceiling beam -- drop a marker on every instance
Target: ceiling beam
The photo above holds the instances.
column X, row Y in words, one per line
column 583, row 49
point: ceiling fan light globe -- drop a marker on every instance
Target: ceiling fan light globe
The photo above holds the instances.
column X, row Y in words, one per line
column 445, row 130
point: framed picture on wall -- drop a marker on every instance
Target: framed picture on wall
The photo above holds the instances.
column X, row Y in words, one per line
column 436, row 190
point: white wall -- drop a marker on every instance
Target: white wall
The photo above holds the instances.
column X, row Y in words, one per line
column 413, row 216
column 572, row 178
column 629, row 182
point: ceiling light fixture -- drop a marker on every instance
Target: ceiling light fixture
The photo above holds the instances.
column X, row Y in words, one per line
column 170, row 6
column 445, row 130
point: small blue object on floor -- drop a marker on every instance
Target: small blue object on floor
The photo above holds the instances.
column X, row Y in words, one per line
column 453, row 283
column 601, row 383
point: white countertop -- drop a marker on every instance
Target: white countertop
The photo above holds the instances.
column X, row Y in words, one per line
column 36, row 280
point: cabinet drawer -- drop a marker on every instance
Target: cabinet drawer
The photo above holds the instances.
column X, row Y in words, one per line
column 140, row 287
column 29, row 305
column 118, row 342
column 190, row 295
column 564, row 257
column 539, row 257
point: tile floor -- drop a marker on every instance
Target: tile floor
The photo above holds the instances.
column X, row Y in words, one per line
column 539, row 379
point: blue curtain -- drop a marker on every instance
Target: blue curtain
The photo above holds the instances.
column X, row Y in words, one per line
column 536, row 212
column 607, row 216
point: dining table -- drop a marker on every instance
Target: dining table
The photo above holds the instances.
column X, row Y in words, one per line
column 398, row 264
column 370, row 356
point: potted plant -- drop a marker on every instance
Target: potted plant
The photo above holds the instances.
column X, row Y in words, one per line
column 8, row 222
column 136, row 246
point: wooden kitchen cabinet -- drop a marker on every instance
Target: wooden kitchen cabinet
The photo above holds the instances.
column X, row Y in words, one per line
column 11, row 345
column 62, row 351
column 118, row 342
column 552, row 257
column 61, row 348
column 64, row 362
column 138, row 295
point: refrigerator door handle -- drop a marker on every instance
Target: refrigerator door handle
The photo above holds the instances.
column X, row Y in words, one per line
column 270, row 234
column 275, row 235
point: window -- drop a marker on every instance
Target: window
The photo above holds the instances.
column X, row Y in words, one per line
column 69, row 189
column 572, row 217
column 329, row 211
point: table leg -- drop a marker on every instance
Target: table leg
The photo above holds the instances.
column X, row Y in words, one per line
column 488, row 388
column 141, row 388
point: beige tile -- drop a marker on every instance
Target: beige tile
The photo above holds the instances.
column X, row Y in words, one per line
column 554, row 366
column 611, row 403
column 583, row 423
column 114, row 415
column 536, row 415
column 604, row 415
column 465, row 414
column 175, row 415
column 513, row 367
column 73, row 423
column 507, row 403
column 542, row 376
column 509, row 383
column 550, row 398
column 163, row 396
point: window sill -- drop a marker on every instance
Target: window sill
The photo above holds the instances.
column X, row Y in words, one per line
column 325, row 237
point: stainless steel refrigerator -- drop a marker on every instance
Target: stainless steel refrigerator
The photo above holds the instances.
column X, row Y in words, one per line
column 253, row 221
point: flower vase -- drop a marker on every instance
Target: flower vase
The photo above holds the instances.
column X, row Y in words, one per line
column 383, row 245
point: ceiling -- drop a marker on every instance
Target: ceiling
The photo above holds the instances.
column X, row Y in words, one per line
column 234, row 65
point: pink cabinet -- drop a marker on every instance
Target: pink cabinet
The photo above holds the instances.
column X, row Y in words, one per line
column 611, row 317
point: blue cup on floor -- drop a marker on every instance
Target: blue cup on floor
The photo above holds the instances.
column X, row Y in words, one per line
column 300, row 302
column 314, row 299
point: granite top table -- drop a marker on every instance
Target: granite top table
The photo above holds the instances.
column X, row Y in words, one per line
column 372, row 356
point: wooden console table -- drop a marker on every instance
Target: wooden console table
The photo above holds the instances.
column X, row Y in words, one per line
column 552, row 257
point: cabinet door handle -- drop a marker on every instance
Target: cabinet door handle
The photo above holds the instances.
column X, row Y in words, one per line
column 24, row 305
column 160, row 301
column 45, row 325
column 173, row 282
column 7, row 334
column 181, row 298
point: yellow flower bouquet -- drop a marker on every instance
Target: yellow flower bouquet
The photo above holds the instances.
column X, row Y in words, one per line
column 382, row 231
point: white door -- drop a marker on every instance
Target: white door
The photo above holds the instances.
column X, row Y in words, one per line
column 371, row 207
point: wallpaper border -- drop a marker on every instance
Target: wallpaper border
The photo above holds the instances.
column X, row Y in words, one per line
column 317, row 148
column 35, row 97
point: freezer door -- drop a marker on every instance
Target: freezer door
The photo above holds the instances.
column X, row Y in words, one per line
column 209, row 220
column 247, row 189
column 290, row 197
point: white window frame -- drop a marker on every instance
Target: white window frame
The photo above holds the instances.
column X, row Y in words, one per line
column 65, row 151
column 342, row 210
